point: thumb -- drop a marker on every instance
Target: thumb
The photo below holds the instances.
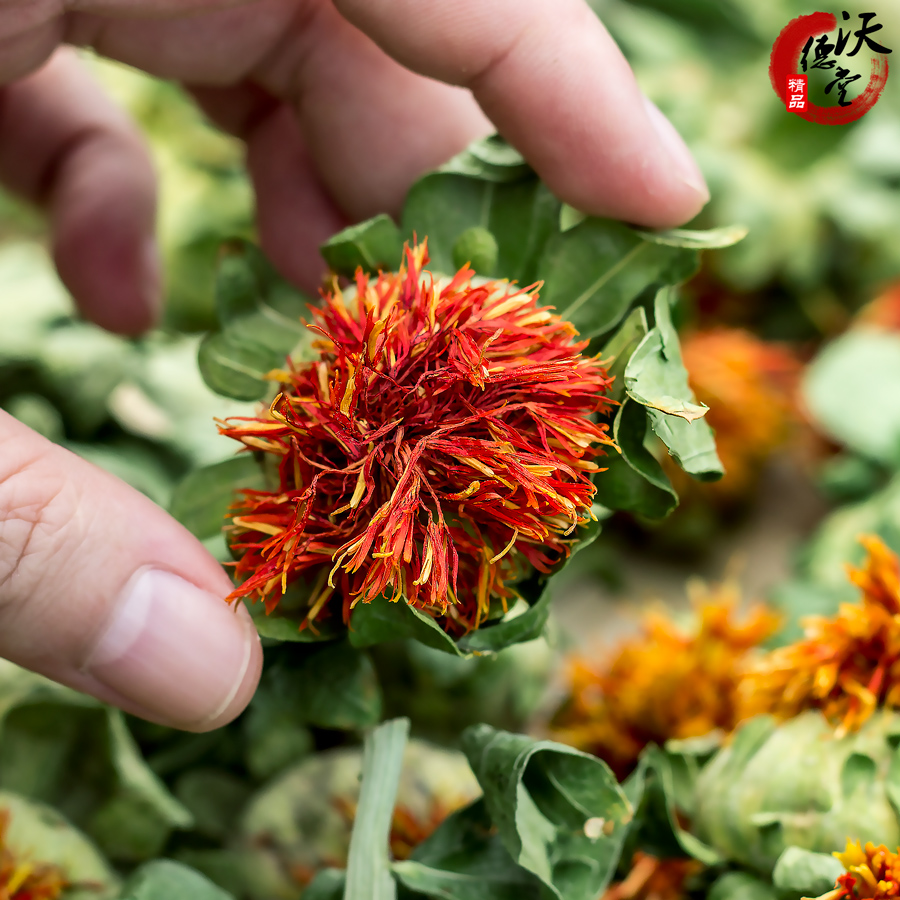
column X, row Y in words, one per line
column 104, row 592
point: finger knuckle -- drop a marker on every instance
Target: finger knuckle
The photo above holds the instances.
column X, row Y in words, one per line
column 31, row 530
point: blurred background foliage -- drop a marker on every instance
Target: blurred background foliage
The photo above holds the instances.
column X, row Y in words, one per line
column 821, row 202
column 796, row 337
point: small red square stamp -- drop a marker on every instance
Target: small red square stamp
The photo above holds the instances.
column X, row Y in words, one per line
column 796, row 92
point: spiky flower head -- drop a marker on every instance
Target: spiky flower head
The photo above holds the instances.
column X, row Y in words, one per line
column 439, row 448
column 747, row 383
column 665, row 683
column 22, row 879
column 873, row 873
column 846, row 666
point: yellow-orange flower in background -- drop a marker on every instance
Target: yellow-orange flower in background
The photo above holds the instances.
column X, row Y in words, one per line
column 665, row 683
column 748, row 385
column 651, row 878
column 24, row 880
column 440, row 447
column 883, row 311
column 873, row 873
column 846, row 666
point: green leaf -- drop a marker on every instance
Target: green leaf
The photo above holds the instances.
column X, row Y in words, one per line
column 67, row 749
column 620, row 347
column 385, row 620
column 656, row 378
column 464, row 859
column 558, row 812
column 234, row 871
column 658, row 827
column 686, row 758
column 260, row 318
column 201, row 500
column 136, row 777
column 515, row 629
column 490, row 159
column 519, row 627
column 234, row 367
column 372, row 245
column 847, row 477
column 215, row 799
column 803, row 872
column 284, row 622
column 634, row 480
column 40, row 834
column 741, row 886
column 520, row 215
column 368, row 864
column 655, row 375
column 274, row 739
column 711, row 239
column 250, row 293
column 277, row 627
column 135, row 822
column 164, row 879
column 852, row 390
column 569, row 217
column 332, row 685
column 128, row 829
column 595, row 270
column 327, row 885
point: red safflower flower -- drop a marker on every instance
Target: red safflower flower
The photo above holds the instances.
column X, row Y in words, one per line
column 440, row 447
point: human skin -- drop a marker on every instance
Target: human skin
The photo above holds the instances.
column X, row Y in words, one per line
column 341, row 105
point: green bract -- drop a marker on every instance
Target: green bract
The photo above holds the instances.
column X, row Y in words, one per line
column 795, row 784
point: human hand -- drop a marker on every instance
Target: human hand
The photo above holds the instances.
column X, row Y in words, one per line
column 99, row 589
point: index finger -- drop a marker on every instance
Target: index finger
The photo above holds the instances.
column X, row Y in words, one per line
column 553, row 81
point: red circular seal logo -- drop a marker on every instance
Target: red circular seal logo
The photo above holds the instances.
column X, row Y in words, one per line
column 803, row 44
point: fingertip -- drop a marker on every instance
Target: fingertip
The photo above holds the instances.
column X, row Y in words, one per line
column 650, row 179
column 245, row 686
column 176, row 653
column 67, row 147
column 103, row 209
column 688, row 189
column 577, row 116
